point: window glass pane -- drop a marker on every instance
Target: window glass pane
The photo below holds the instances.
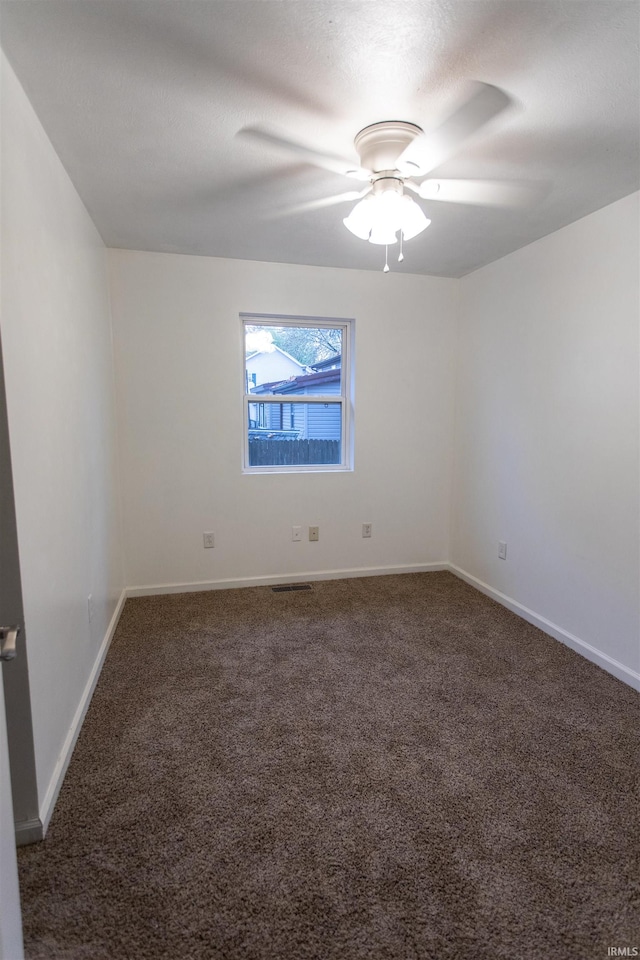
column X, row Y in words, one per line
column 294, row 434
column 297, row 361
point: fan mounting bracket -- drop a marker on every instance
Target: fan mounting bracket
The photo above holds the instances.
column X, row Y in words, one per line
column 380, row 144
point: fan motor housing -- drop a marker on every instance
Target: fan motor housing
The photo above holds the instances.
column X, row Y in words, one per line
column 380, row 144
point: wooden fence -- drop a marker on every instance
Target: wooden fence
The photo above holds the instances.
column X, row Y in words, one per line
column 275, row 453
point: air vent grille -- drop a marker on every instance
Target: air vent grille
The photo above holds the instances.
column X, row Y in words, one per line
column 290, row 587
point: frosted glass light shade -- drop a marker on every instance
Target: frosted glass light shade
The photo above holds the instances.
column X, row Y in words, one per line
column 387, row 217
column 379, row 217
column 383, row 235
column 413, row 219
column 360, row 220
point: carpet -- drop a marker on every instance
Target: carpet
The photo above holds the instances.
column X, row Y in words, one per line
column 390, row 768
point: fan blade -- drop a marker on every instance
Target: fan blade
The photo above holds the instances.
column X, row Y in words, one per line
column 499, row 193
column 326, row 161
column 431, row 149
column 350, row 195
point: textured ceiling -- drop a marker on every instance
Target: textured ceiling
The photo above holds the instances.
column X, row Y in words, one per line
column 143, row 99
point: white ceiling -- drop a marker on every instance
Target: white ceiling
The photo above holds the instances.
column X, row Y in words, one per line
column 143, row 99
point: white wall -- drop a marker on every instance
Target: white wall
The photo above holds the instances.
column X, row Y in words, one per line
column 56, row 336
column 179, row 367
column 547, row 429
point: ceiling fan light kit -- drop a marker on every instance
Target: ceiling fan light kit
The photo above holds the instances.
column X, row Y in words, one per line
column 386, row 212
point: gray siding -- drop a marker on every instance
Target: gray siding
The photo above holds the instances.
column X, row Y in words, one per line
column 323, row 423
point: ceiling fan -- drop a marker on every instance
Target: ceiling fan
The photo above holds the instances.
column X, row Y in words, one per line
column 395, row 157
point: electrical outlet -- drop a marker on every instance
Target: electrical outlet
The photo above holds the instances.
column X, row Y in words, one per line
column 296, row 534
column 502, row 550
column 314, row 533
column 367, row 529
column 90, row 607
column 207, row 539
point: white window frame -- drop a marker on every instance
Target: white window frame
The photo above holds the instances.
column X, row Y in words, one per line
column 344, row 398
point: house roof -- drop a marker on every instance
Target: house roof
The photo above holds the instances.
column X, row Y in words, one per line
column 284, row 353
column 295, row 383
column 327, row 362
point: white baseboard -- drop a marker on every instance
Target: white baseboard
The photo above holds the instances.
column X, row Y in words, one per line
column 614, row 667
column 28, row 831
column 230, row 584
column 49, row 802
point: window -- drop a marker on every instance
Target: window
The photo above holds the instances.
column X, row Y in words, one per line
column 297, row 394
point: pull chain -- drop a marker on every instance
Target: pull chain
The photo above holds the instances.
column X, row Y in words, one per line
column 385, row 269
column 401, row 257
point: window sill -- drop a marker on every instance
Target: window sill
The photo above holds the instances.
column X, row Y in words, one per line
column 250, row 471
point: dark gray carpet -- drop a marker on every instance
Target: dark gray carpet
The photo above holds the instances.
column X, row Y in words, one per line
column 381, row 768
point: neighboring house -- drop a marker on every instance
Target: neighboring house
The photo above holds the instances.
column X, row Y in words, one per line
column 265, row 368
column 271, row 365
column 302, row 420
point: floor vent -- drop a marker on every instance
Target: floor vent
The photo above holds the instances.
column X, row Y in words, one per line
column 289, row 587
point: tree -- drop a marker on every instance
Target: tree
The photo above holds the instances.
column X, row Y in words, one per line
column 309, row 345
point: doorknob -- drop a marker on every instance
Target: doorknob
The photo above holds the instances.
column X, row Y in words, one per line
column 8, row 637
